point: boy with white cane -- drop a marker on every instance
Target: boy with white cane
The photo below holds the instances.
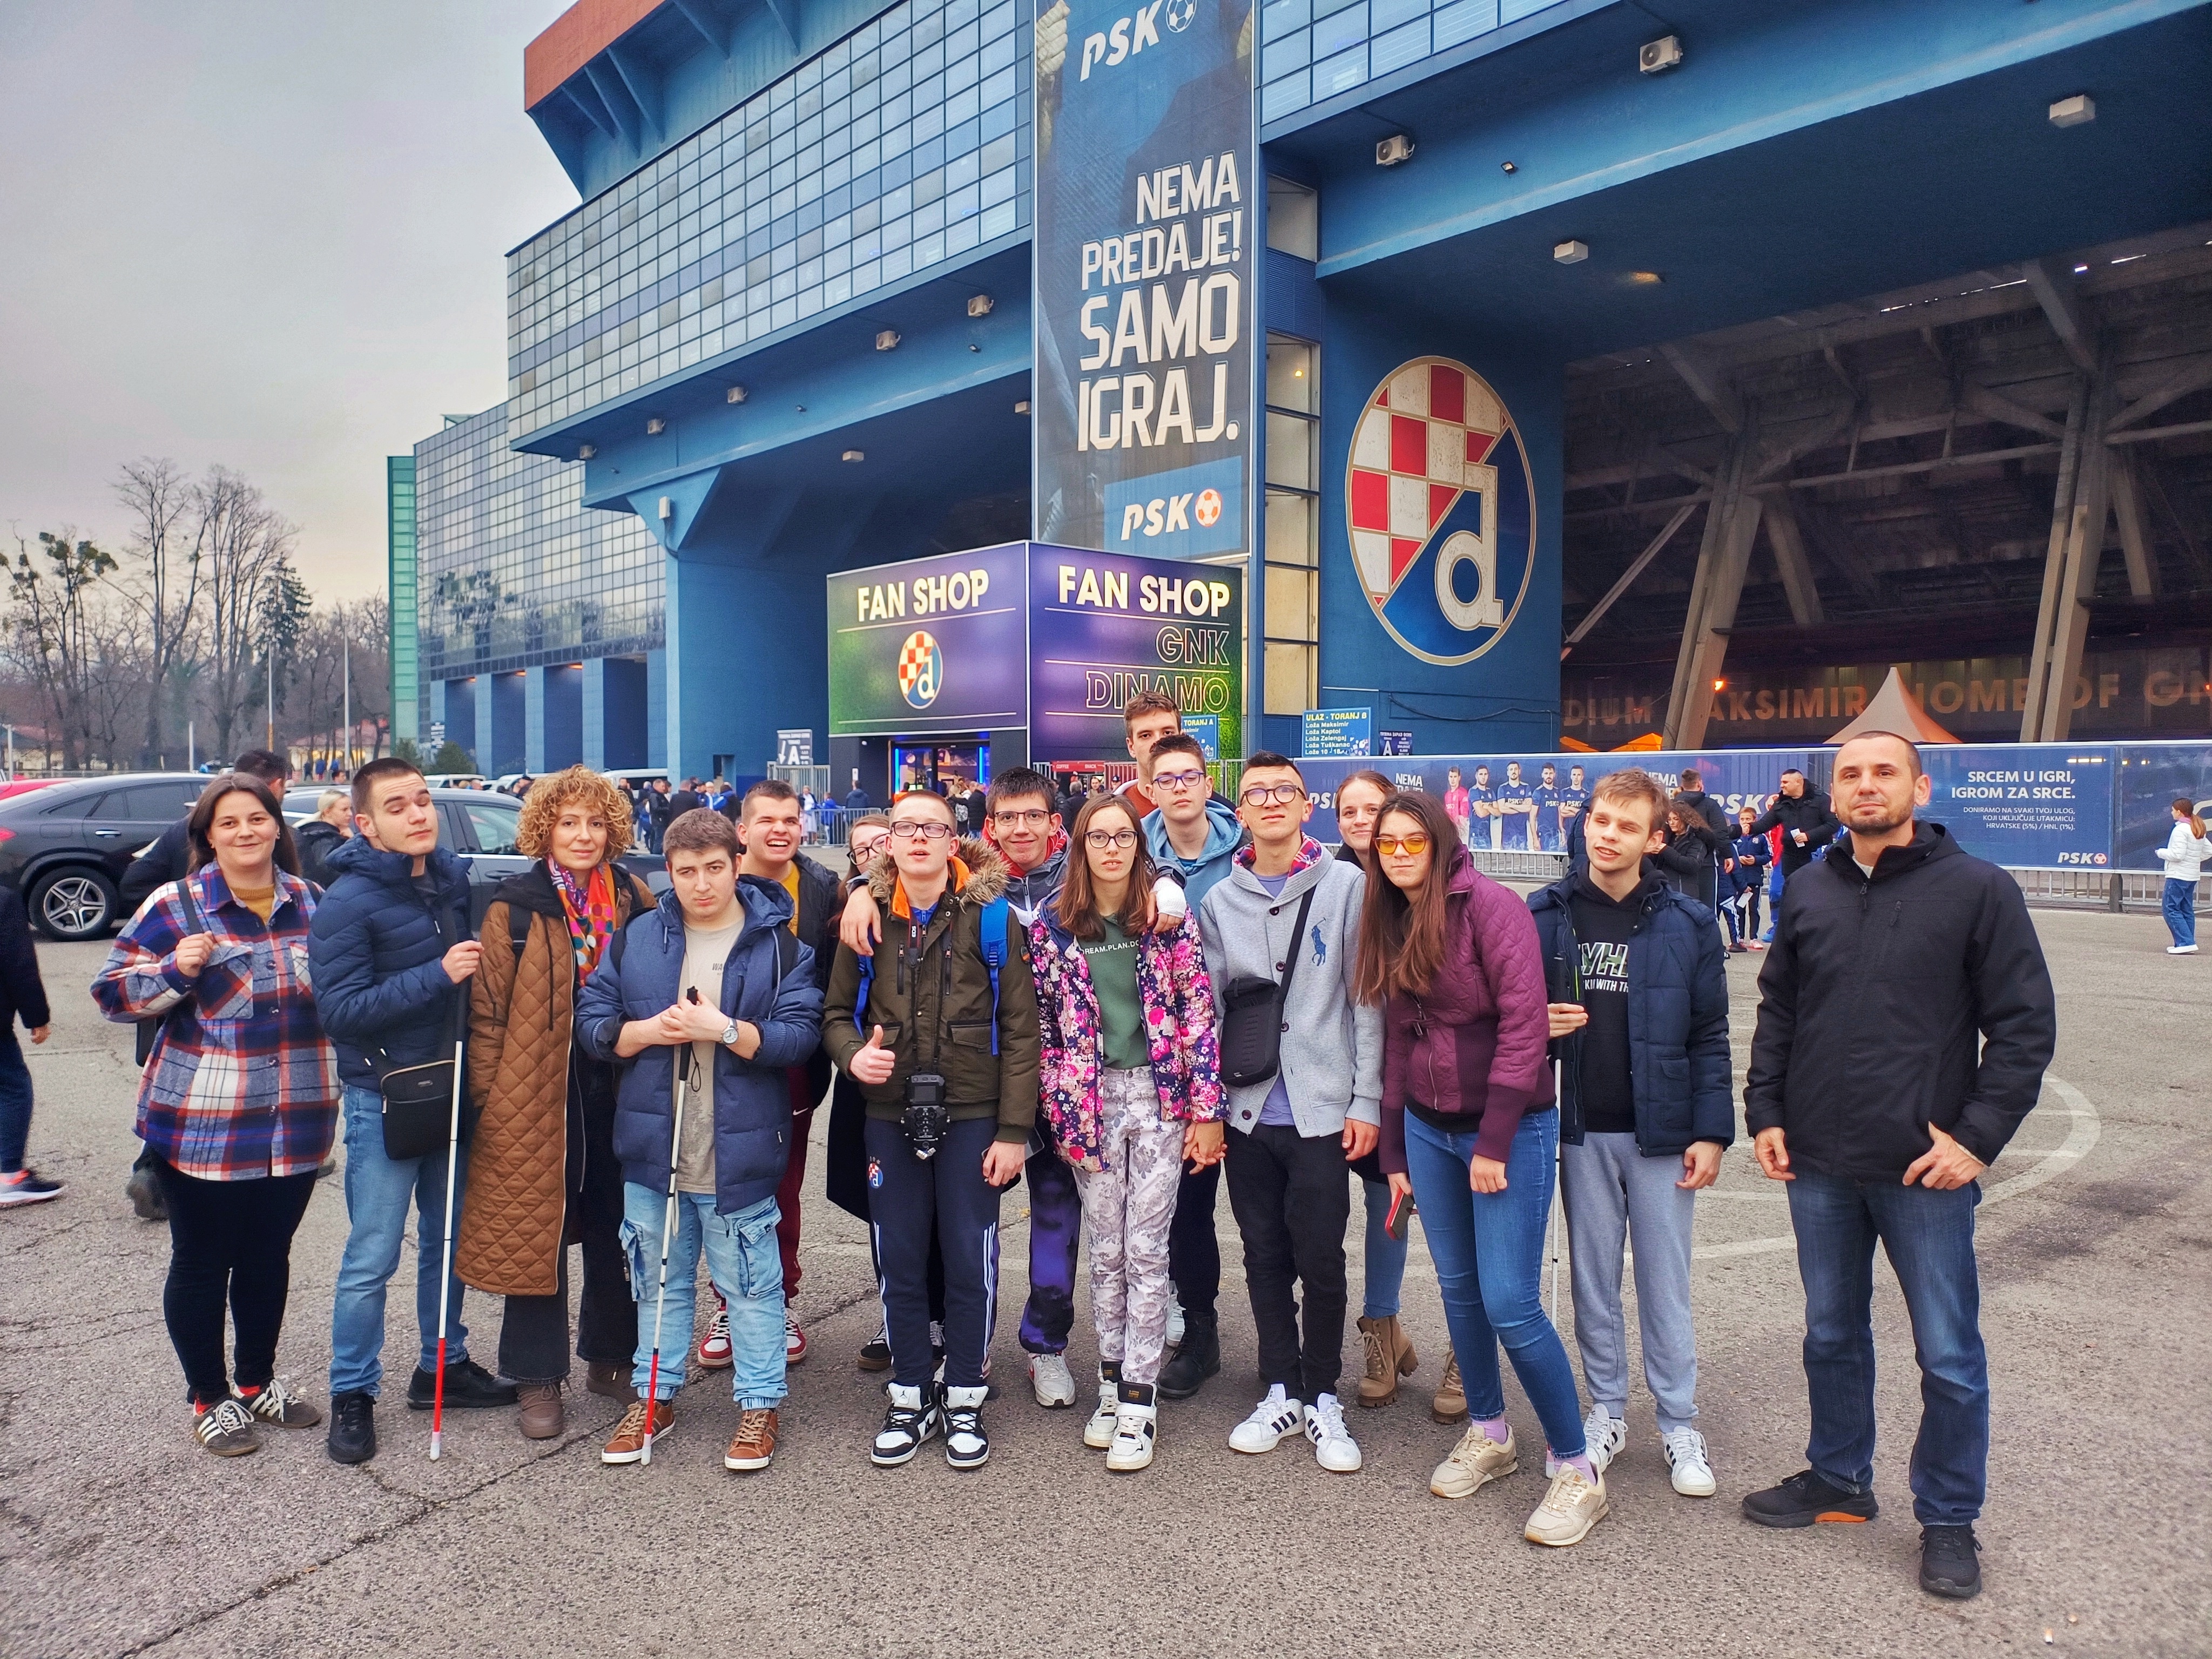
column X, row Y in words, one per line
column 702, row 1002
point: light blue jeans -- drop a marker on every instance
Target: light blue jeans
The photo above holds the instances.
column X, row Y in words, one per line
column 1385, row 1255
column 377, row 1193
column 747, row 1268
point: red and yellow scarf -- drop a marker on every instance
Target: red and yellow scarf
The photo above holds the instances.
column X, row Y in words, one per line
column 589, row 904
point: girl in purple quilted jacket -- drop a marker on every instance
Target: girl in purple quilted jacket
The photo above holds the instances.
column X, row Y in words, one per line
column 1131, row 1081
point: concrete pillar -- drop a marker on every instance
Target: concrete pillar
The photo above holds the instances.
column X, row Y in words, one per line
column 533, row 721
column 505, row 750
column 562, row 721
column 480, row 723
column 656, row 708
column 595, row 713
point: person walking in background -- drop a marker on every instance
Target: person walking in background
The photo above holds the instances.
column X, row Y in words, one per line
column 1942, row 1036
column 1639, row 1019
column 2184, row 856
column 659, row 808
column 1129, row 1078
column 169, row 858
column 392, row 956
column 1801, row 813
column 541, row 1171
column 320, row 836
column 710, row 982
column 1287, row 911
column 22, row 996
column 1388, row 1354
column 1470, row 1131
column 238, row 1101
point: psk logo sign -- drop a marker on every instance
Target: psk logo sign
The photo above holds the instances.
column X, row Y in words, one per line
column 921, row 669
column 1180, row 12
column 1443, row 511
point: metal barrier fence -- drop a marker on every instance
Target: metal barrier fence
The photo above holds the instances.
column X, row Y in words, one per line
column 2111, row 891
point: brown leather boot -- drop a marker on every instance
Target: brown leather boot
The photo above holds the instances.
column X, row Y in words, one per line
column 540, row 1411
column 610, row 1378
column 1450, row 1403
column 1389, row 1356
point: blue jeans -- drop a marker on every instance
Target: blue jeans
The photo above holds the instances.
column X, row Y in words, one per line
column 377, row 1191
column 2178, row 903
column 1489, row 1252
column 1386, row 1257
column 747, row 1267
column 1929, row 1238
column 15, row 1104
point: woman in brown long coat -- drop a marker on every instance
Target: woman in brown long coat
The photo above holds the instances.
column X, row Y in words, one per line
column 542, row 1169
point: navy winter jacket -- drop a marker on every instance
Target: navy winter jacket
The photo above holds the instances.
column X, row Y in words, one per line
column 376, row 948
column 639, row 975
column 1678, row 1007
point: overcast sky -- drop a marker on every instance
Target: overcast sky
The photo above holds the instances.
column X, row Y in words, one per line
column 267, row 236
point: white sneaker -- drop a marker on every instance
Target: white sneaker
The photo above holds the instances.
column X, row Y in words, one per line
column 1473, row 1463
column 1604, row 1435
column 1334, row 1448
column 1051, row 1381
column 1569, row 1509
column 1098, row 1433
column 1134, row 1431
column 2181, row 950
column 1685, row 1456
column 713, row 1353
column 1271, row 1420
column 1174, row 1323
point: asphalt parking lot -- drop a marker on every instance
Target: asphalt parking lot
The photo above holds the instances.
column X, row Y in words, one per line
column 118, row 1535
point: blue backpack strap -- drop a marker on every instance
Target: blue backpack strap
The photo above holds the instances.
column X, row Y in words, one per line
column 994, row 957
column 860, row 998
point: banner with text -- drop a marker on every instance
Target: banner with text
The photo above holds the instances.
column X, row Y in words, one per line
column 1145, row 303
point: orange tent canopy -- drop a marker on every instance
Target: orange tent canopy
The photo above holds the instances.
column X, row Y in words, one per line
column 1894, row 708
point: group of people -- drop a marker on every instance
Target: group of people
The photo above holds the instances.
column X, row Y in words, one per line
column 1172, row 989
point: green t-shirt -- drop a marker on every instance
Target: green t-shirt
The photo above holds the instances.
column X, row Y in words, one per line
column 1113, row 964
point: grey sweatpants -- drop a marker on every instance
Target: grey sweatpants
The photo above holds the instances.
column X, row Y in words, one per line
column 1129, row 1206
column 1615, row 1195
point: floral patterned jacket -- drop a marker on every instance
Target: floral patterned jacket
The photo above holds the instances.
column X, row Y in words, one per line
column 1178, row 1004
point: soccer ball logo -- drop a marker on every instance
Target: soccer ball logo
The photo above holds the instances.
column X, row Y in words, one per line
column 1207, row 512
column 921, row 669
column 1442, row 511
column 1180, row 12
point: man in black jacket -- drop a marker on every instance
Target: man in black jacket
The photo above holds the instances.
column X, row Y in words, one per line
column 163, row 862
column 1866, row 1093
column 1802, row 813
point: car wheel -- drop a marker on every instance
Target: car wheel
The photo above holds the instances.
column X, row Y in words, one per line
column 74, row 904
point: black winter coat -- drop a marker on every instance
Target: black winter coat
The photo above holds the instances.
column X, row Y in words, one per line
column 317, row 840
column 1809, row 812
column 21, row 991
column 376, row 948
column 1876, row 997
column 1687, row 862
column 166, row 860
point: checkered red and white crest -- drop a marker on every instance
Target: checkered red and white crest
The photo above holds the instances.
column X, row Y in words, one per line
column 921, row 669
column 1423, row 442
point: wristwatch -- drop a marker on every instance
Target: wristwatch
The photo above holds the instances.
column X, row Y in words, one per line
column 730, row 1034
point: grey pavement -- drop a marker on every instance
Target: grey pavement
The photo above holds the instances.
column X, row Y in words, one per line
column 118, row 1535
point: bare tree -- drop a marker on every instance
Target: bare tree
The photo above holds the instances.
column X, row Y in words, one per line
column 246, row 546
column 53, row 631
column 167, row 537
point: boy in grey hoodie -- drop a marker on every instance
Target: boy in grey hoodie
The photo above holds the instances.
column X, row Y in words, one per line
column 1296, row 1132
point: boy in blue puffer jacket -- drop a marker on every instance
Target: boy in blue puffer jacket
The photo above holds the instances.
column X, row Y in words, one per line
column 1639, row 1004
column 711, row 986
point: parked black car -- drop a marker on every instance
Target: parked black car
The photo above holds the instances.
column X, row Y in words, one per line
column 480, row 825
column 65, row 848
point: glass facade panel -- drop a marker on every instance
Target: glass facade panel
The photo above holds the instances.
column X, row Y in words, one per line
column 771, row 215
column 1311, row 50
column 1290, row 595
column 513, row 571
column 399, row 529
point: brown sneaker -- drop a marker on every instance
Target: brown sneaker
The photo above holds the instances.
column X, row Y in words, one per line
column 541, row 1414
column 1389, row 1356
column 628, row 1445
column 753, row 1446
column 1450, row 1403
column 609, row 1378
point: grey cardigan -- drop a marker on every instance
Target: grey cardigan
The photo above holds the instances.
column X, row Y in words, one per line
column 1333, row 1052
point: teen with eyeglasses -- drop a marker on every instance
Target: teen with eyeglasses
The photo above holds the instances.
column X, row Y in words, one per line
column 1130, row 1082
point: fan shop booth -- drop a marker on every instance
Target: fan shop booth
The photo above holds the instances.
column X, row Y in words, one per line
column 963, row 665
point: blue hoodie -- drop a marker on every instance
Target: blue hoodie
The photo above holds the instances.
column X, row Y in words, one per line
column 1224, row 833
column 752, row 1099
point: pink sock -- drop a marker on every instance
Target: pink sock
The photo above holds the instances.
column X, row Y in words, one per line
column 1581, row 1461
column 1495, row 1428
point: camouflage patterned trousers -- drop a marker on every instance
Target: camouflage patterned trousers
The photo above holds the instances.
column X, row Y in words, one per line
column 1128, row 1207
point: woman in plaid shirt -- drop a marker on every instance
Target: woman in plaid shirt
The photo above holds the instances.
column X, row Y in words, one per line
column 239, row 1101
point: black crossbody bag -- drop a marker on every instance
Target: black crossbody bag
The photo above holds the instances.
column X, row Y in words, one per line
column 1252, row 1024
column 418, row 1099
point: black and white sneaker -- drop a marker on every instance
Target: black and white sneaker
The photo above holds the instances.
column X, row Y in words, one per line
column 1272, row 1421
column 966, row 1445
column 913, row 1418
column 226, row 1428
column 25, row 1186
column 275, row 1403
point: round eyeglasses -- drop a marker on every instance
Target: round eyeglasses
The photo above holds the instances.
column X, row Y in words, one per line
column 1120, row 839
column 1176, row 782
column 1261, row 794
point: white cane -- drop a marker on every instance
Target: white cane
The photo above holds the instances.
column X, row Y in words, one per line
column 667, row 1232
column 446, row 1263
column 1552, row 1224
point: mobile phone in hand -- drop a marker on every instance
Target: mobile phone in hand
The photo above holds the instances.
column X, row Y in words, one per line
column 1400, row 1221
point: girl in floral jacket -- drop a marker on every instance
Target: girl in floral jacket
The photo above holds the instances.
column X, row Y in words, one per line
column 1131, row 1081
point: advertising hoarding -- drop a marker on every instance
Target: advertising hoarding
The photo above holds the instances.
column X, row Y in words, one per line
column 1147, row 243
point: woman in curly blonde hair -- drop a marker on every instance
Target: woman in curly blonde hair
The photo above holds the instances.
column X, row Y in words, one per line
column 542, row 1169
